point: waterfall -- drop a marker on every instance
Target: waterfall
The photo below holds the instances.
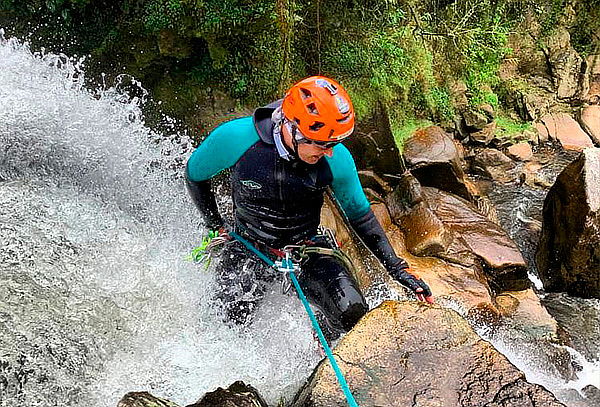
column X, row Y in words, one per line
column 96, row 297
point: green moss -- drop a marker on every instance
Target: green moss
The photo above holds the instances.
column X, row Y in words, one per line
column 508, row 128
column 403, row 130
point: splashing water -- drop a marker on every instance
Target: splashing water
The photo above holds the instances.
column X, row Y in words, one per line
column 520, row 212
column 96, row 299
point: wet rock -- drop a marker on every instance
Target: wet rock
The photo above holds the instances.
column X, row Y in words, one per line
column 531, row 176
column 144, row 399
column 592, row 393
column 579, row 320
column 491, row 163
column 476, row 240
column 425, row 234
column 590, row 122
column 527, row 313
column 562, row 127
column 375, row 141
column 407, row 353
column 568, row 256
column 238, row 394
column 369, row 179
column 520, row 151
column 434, row 159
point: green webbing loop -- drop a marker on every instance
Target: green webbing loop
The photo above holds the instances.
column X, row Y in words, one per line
column 287, row 265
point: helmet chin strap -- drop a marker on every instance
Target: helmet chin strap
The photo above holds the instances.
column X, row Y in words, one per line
column 294, row 141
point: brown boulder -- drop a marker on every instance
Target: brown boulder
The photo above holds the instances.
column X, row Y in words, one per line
column 590, row 122
column 562, row 127
column 425, row 234
column 491, row 163
column 485, row 135
column 144, row 399
column 520, row 151
column 478, row 241
column 407, row 353
column 433, row 158
column 568, row 256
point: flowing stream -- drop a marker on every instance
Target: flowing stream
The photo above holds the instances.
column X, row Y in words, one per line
column 96, row 297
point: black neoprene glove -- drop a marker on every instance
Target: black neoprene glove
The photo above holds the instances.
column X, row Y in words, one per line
column 402, row 275
column 370, row 231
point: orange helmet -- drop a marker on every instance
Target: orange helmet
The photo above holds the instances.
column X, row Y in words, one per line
column 321, row 109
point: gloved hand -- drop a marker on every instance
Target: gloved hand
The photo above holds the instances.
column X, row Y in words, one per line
column 413, row 283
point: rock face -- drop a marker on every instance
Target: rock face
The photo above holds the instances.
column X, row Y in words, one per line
column 434, row 160
column 567, row 131
column 238, row 394
column 409, row 354
column 568, row 256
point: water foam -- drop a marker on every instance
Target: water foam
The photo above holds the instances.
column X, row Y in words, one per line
column 96, row 298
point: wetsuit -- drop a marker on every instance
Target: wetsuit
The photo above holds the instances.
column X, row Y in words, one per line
column 277, row 201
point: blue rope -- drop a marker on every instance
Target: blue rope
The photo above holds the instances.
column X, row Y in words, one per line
column 288, row 266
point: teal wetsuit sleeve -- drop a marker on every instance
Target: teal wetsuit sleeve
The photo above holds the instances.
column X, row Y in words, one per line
column 346, row 185
column 221, row 149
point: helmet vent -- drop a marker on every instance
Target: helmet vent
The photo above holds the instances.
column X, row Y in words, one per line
column 316, row 126
column 305, row 93
column 312, row 108
column 343, row 119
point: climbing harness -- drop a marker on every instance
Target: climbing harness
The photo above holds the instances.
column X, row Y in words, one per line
column 288, row 265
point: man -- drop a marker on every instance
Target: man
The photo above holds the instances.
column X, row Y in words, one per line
column 283, row 159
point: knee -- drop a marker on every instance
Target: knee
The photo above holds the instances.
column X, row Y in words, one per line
column 352, row 311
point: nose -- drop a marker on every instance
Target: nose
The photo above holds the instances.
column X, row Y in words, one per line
column 329, row 152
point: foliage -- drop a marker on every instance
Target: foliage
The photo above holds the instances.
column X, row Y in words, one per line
column 399, row 53
column 508, row 128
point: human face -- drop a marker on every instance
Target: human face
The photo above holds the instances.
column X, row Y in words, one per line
column 309, row 151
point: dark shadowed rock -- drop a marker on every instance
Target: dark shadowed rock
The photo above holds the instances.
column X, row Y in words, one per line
column 433, row 158
column 238, row 394
column 375, row 142
column 568, row 256
column 579, row 320
column 144, row 399
column 410, row 354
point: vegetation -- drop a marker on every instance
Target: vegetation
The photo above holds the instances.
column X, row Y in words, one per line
column 405, row 54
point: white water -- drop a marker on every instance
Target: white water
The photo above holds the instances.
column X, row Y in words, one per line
column 96, row 299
